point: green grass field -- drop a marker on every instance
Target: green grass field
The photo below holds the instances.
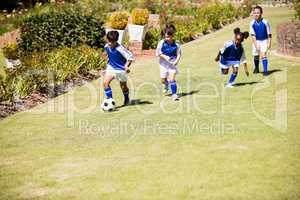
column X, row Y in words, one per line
column 215, row 143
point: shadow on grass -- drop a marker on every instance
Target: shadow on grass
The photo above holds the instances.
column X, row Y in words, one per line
column 272, row 71
column 135, row 102
column 246, row 83
column 182, row 94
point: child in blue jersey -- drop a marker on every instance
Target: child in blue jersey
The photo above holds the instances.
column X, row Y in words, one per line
column 232, row 54
column 261, row 39
column 119, row 60
column 169, row 54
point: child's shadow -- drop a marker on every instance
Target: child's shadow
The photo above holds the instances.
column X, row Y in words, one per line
column 246, row 83
column 182, row 94
column 135, row 102
column 272, row 71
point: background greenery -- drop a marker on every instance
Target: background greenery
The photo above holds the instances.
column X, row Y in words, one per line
column 42, row 156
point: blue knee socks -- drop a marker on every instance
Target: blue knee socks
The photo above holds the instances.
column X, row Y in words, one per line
column 173, row 87
column 108, row 93
column 265, row 65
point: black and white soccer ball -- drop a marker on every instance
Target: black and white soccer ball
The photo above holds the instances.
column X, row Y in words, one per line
column 108, row 105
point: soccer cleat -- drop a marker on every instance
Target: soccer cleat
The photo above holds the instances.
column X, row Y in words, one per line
column 175, row 97
column 255, row 71
column 265, row 73
column 126, row 101
column 229, row 85
column 165, row 91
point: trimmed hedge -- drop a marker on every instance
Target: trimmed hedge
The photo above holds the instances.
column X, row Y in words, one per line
column 59, row 28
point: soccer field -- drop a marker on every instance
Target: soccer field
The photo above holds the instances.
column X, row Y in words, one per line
column 215, row 143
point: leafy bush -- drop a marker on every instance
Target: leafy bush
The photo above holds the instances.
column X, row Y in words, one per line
column 296, row 4
column 140, row 16
column 184, row 31
column 152, row 38
column 219, row 14
column 59, row 28
column 60, row 65
column 245, row 9
column 10, row 51
column 118, row 20
column 203, row 19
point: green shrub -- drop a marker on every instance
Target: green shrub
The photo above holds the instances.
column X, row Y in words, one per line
column 296, row 4
column 59, row 28
column 10, row 51
column 118, row 20
column 67, row 63
column 184, row 32
column 152, row 37
column 37, row 68
column 245, row 9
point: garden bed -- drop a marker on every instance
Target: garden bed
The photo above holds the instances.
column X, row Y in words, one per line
column 11, row 107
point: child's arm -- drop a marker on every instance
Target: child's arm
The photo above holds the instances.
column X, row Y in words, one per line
column 244, row 60
column 176, row 61
column 104, row 57
column 246, row 69
column 127, row 55
column 254, row 41
column 159, row 52
column 222, row 50
column 167, row 58
column 252, row 33
column 218, row 56
column 127, row 65
column 269, row 34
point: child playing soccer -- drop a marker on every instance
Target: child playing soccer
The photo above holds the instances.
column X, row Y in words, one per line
column 232, row 54
column 169, row 54
column 119, row 60
column 261, row 39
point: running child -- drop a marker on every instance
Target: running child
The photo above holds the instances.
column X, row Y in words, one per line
column 232, row 54
column 119, row 60
column 169, row 53
column 261, row 39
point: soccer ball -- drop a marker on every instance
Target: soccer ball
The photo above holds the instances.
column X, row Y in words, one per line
column 108, row 105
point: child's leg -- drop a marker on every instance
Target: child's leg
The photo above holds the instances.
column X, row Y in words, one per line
column 165, row 84
column 233, row 76
column 163, row 75
column 256, row 64
column 264, row 61
column 125, row 91
column 106, row 83
column 172, row 82
column 255, row 53
column 224, row 71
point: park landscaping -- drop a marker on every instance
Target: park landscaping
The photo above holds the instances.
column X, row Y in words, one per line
column 213, row 144
column 61, row 43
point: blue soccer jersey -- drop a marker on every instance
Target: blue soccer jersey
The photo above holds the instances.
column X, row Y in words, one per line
column 172, row 50
column 118, row 56
column 260, row 29
column 232, row 54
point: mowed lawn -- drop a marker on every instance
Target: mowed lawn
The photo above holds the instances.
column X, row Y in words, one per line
column 215, row 143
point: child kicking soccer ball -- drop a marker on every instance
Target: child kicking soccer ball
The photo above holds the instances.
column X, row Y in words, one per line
column 119, row 60
column 232, row 54
column 261, row 39
column 169, row 54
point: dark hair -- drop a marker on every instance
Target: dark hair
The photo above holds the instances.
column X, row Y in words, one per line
column 259, row 8
column 169, row 30
column 112, row 36
column 244, row 35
